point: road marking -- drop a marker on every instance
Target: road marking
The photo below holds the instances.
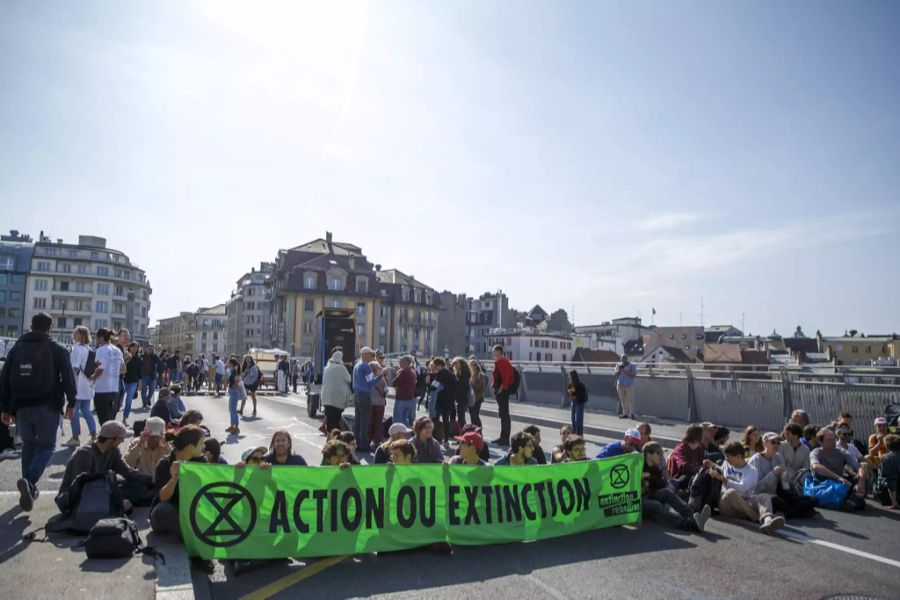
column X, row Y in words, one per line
column 806, row 538
column 285, row 582
column 545, row 587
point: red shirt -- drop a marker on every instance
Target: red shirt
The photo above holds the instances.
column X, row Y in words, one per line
column 503, row 374
column 405, row 384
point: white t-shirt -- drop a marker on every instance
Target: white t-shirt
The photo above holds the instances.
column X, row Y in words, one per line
column 220, row 367
column 111, row 360
column 84, row 389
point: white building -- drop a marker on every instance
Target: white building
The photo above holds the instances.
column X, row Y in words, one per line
column 87, row 284
column 611, row 335
column 248, row 312
column 530, row 345
column 209, row 331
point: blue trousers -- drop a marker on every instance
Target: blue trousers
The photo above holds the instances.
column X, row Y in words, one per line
column 578, row 418
column 37, row 426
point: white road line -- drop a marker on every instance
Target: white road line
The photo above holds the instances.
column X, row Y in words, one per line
column 806, row 538
column 545, row 587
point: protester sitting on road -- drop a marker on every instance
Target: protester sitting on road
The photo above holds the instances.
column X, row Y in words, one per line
column 254, row 457
column 191, row 417
column 402, row 452
column 187, row 446
column 535, row 433
column 809, row 436
column 281, row 451
column 889, row 475
column 830, row 462
column 521, row 451
column 336, row 453
column 752, row 441
column 397, row 431
column 769, row 465
column 212, row 450
column 161, row 406
column 575, row 449
column 708, row 439
column 631, row 442
column 739, row 498
column 645, row 430
column 716, row 452
column 800, row 417
column 877, row 446
column 794, row 452
column 558, row 455
column 428, row 450
column 687, row 457
column 176, row 405
column 657, row 494
column 484, row 453
column 100, row 456
column 147, row 450
column 845, row 442
column 470, row 445
column 348, row 438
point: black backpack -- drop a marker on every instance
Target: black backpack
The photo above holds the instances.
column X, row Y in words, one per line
column 116, row 538
column 516, row 380
column 91, row 498
column 90, row 364
column 33, row 374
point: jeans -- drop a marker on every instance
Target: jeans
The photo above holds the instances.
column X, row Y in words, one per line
column 83, row 409
column 503, row 410
column 578, row 417
column 461, row 408
column 219, row 377
column 37, row 426
column 105, row 403
column 475, row 413
column 130, row 393
column 148, row 388
column 669, row 497
column 405, row 412
column 234, row 396
column 362, row 416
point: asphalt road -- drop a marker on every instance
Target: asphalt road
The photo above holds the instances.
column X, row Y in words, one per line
column 835, row 554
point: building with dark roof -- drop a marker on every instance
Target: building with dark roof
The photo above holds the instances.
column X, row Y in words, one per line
column 15, row 263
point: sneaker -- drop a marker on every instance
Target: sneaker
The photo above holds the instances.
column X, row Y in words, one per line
column 72, row 442
column 770, row 524
column 623, row 416
column 10, row 453
column 700, row 518
column 26, row 497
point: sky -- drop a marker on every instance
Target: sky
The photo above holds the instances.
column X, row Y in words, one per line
column 609, row 158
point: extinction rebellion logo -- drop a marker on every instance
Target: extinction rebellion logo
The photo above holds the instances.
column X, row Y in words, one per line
column 619, row 476
column 233, row 513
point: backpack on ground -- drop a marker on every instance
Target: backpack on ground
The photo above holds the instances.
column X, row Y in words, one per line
column 33, row 374
column 92, row 497
column 117, row 537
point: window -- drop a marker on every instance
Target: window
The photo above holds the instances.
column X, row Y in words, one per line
column 334, row 303
column 102, row 306
column 117, row 273
column 308, row 305
column 404, row 293
column 40, row 303
column 42, row 266
column 118, row 308
column 361, row 332
column 40, row 284
column 361, row 309
column 120, row 291
column 855, row 350
column 417, row 294
column 3, row 296
column 103, row 271
column 2, row 311
column 128, row 275
column 98, row 323
column 384, row 310
column 309, row 281
column 51, row 251
column 427, row 297
column 73, row 253
column 79, row 286
column 336, row 284
column 67, row 268
column 382, row 331
column 362, row 285
column 13, row 313
column 76, row 322
column 103, row 289
column 307, row 327
column 82, row 269
column 95, row 255
column 64, row 286
column 12, row 331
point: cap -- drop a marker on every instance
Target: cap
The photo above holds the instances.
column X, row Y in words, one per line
column 770, row 436
column 176, row 388
column 472, row 438
column 249, row 452
column 471, row 427
column 398, row 428
column 881, row 421
column 366, row 350
column 164, row 393
column 634, row 436
column 113, row 429
column 154, row 426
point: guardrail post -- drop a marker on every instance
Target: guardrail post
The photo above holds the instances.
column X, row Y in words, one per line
column 787, row 401
column 692, row 401
column 564, row 401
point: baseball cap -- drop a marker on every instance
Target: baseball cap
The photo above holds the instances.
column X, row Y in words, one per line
column 249, row 452
column 881, row 421
column 634, row 436
column 113, row 429
column 471, row 427
column 164, row 393
column 770, row 436
column 398, row 428
column 366, row 350
column 154, row 426
column 472, row 438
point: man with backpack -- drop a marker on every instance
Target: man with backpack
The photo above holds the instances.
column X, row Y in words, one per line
column 37, row 377
column 99, row 457
column 503, row 381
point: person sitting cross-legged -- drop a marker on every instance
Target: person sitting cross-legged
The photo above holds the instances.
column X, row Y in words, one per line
column 521, row 451
column 397, row 431
column 631, row 442
column 575, row 449
column 470, row 445
column 739, row 498
column 558, row 454
column 657, row 495
column 281, row 451
column 828, row 461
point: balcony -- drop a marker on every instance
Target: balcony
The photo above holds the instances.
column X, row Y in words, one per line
column 85, row 293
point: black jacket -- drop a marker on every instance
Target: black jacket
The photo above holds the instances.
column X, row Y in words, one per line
column 64, row 389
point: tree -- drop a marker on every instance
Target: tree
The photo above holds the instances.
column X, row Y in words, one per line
column 559, row 321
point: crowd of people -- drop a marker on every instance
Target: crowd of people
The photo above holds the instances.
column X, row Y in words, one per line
column 764, row 477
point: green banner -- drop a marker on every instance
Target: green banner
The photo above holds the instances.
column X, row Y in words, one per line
column 226, row 512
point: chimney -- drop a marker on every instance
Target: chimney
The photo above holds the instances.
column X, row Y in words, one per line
column 328, row 242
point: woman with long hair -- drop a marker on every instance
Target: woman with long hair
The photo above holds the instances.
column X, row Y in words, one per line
column 463, row 377
column 84, row 387
column 479, row 384
column 752, row 441
column 578, row 395
column 250, row 377
column 233, row 372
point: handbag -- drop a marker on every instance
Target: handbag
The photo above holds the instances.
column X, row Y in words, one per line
column 829, row 493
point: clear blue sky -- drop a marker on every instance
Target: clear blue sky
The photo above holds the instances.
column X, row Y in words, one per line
column 611, row 156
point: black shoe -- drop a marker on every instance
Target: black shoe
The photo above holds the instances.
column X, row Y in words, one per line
column 623, row 416
column 26, row 497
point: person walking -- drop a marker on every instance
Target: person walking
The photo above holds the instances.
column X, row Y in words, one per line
column 578, row 394
column 149, row 367
column 234, row 394
column 625, row 373
column 219, row 372
column 36, row 382
column 132, row 377
column 106, row 385
column 335, row 390
column 250, row 377
column 84, row 386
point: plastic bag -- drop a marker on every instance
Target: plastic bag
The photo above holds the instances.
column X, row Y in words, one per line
column 829, row 493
